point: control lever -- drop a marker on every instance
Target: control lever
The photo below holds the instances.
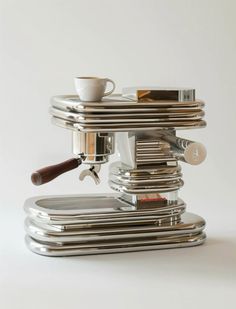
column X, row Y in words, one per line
column 48, row 173
column 185, row 150
column 92, row 172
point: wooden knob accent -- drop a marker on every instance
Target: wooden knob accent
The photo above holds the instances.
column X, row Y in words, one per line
column 48, row 173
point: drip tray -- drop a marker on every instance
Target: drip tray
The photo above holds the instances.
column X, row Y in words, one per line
column 81, row 225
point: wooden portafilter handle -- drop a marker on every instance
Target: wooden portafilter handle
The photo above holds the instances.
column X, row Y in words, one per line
column 48, row 173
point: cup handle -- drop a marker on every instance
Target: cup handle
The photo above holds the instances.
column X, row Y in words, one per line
column 113, row 87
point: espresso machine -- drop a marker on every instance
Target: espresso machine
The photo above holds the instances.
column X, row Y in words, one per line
column 145, row 211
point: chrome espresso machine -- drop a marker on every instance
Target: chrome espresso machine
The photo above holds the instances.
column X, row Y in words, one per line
column 145, row 211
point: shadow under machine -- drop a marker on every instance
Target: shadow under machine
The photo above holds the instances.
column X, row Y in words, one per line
column 145, row 213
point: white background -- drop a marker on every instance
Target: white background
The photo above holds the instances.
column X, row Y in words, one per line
column 44, row 44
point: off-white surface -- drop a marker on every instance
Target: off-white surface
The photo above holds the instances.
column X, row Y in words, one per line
column 44, row 45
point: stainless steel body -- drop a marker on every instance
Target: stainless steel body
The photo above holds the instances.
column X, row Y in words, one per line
column 146, row 213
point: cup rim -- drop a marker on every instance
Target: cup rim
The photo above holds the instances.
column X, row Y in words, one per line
column 88, row 77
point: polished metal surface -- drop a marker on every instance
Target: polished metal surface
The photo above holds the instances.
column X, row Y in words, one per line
column 147, row 213
column 94, row 147
column 124, row 179
column 185, row 150
column 48, row 249
column 91, row 172
column 126, row 118
column 71, row 113
column 84, row 209
column 72, row 102
column 81, row 225
column 189, row 224
column 104, row 117
column 134, row 127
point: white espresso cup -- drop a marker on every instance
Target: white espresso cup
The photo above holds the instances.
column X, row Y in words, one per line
column 92, row 89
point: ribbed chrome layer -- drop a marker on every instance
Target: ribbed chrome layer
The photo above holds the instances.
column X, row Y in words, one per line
column 162, row 178
column 152, row 151
column 118, row 114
